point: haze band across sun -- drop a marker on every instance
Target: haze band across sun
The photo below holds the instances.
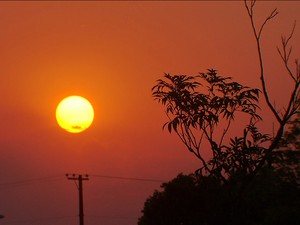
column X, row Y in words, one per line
column 74, row 114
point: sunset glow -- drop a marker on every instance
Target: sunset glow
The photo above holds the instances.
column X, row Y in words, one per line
column 112, row 53
column 74, row 114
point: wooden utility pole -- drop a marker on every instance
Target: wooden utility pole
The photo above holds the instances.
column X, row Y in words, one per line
column 79, row 178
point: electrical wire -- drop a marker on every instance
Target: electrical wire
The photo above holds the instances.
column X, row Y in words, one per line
column 30, row 181
column 127, row 178
column 39, row 180
column 39, row 220
column 110, row 217
column 53, row 178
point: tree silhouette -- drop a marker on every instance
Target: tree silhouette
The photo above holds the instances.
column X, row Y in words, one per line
column 250, row 179
column 187, row 199
column 194, row 116
column 287, row 157
column 203, row 200
column 201, row 109
column 272, row 198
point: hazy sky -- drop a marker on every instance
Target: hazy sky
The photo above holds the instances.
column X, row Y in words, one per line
column 111, row 53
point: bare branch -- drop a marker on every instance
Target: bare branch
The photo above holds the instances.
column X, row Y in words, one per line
column 262, row 73
column 250, row 13
column 200, row 141
column 293, row 104
column 292, row 107
column 197, row 154
column 225, row 132
column 271, row 16
column 285, row 53
column 292, row 33
column 250, row 9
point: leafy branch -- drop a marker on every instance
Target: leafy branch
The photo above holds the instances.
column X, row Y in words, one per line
column 194, row 116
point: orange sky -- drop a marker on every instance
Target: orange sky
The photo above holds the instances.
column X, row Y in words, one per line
column 112, row 53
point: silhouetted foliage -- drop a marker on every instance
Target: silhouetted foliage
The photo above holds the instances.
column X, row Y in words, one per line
column 287, row 156
column 195, row 109
column 201, row 108
column 204, row 200
column 189, row 200
column 200, row 199
column 251, row 178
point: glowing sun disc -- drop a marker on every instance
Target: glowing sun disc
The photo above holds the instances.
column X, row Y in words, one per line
column 74, row 114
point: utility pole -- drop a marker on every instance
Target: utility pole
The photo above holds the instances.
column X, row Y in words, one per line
column 79, row 178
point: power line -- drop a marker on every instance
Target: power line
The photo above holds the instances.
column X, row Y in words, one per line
column 111, row 217
column 53, row 178
column 75, row 177
column 128, row 178
column 38, row 219
column 30, row 181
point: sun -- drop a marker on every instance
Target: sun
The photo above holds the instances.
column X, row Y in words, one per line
column 74, row 114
